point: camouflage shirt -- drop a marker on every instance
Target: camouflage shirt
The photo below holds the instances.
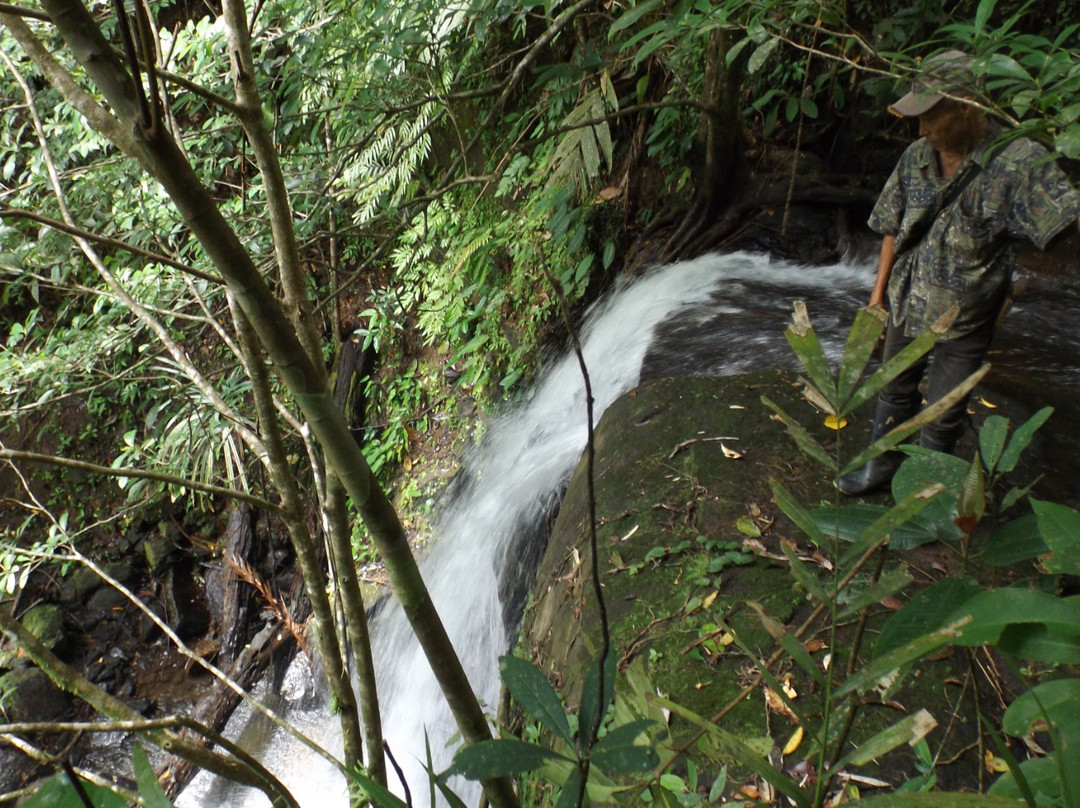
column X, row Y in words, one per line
column 966, row 256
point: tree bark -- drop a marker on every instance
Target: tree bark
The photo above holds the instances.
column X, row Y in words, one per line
column 718, row 146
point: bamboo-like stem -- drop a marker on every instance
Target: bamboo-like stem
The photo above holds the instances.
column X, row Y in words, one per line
column 307, row 556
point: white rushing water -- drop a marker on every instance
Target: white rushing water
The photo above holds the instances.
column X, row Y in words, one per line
column 523, row 462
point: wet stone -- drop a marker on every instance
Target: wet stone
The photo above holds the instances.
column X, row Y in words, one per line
column 79, row 584
column 46, row 622
column 29, row 695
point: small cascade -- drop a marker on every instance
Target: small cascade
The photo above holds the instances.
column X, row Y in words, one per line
column 672, row 321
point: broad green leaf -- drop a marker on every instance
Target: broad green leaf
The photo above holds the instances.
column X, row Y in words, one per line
column 923, row 468
column 1041, row 776
column 149, row 787
column 57, row 792
column 1018, row 540
column 806, row 442
column 1026, row 641
column 889, row 584
column 1021, row 439
column 1060, row 529
column 992, row 435
column 850, row 522
column 907, row 730
column 486, row 760
column 896, row 523
column 864, row 334
column 535, row 694
column 618, row 753
column 1056, row 700
column 804, row 341
column 991, row 612
column 926, row 612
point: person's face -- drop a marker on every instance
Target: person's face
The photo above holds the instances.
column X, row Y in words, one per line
column 947, row 126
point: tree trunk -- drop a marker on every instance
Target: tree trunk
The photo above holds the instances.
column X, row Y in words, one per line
column 720, row 171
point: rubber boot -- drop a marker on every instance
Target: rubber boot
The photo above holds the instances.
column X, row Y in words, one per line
column 880, row 470
column 937, row 442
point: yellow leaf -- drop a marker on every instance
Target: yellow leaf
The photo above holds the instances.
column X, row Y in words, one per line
column 994, row 764
column 726, row 639
column 793, row 741
column 986, row 403
column 709, row 600
column 832, row 422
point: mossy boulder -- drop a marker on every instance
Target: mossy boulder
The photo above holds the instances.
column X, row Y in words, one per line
column 46, row 622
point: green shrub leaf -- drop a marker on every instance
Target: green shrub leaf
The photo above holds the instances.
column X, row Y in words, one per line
column 486, row 760
column 536, row 696
column 926, row 612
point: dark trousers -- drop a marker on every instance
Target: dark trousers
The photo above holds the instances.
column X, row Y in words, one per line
column 952, row 362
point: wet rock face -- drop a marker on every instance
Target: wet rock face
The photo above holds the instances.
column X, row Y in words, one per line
column 27, row 694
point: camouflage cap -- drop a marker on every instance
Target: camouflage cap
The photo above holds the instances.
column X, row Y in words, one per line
column 948, row 72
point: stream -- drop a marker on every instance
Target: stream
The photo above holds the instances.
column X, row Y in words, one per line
column 716, row 315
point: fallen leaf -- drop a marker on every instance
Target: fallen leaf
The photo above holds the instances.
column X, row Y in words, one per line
column 793, row 741
column 986, row 403
column 609, row 193
column 891, row 603
column 777, row 705
column 994, row 764
column 747, row 527
column 730, row 453
column 832, row 422
column 726, row 639
column 789, row 689
column 749, row 793
column 814, row 645
column 710, row 599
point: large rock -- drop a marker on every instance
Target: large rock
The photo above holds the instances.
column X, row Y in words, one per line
column 29, row 695
column 670, row 492
column 46, row 622
column 683, row 471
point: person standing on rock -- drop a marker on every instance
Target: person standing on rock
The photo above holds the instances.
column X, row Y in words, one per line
column 949, row 217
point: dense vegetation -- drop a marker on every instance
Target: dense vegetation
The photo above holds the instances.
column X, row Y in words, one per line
column 193, row 193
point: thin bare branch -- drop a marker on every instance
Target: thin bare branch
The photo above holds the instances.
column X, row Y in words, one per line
column 140, row 474
column 8, row 211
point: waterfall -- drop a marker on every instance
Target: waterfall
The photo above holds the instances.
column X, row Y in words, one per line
column 515, row 476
